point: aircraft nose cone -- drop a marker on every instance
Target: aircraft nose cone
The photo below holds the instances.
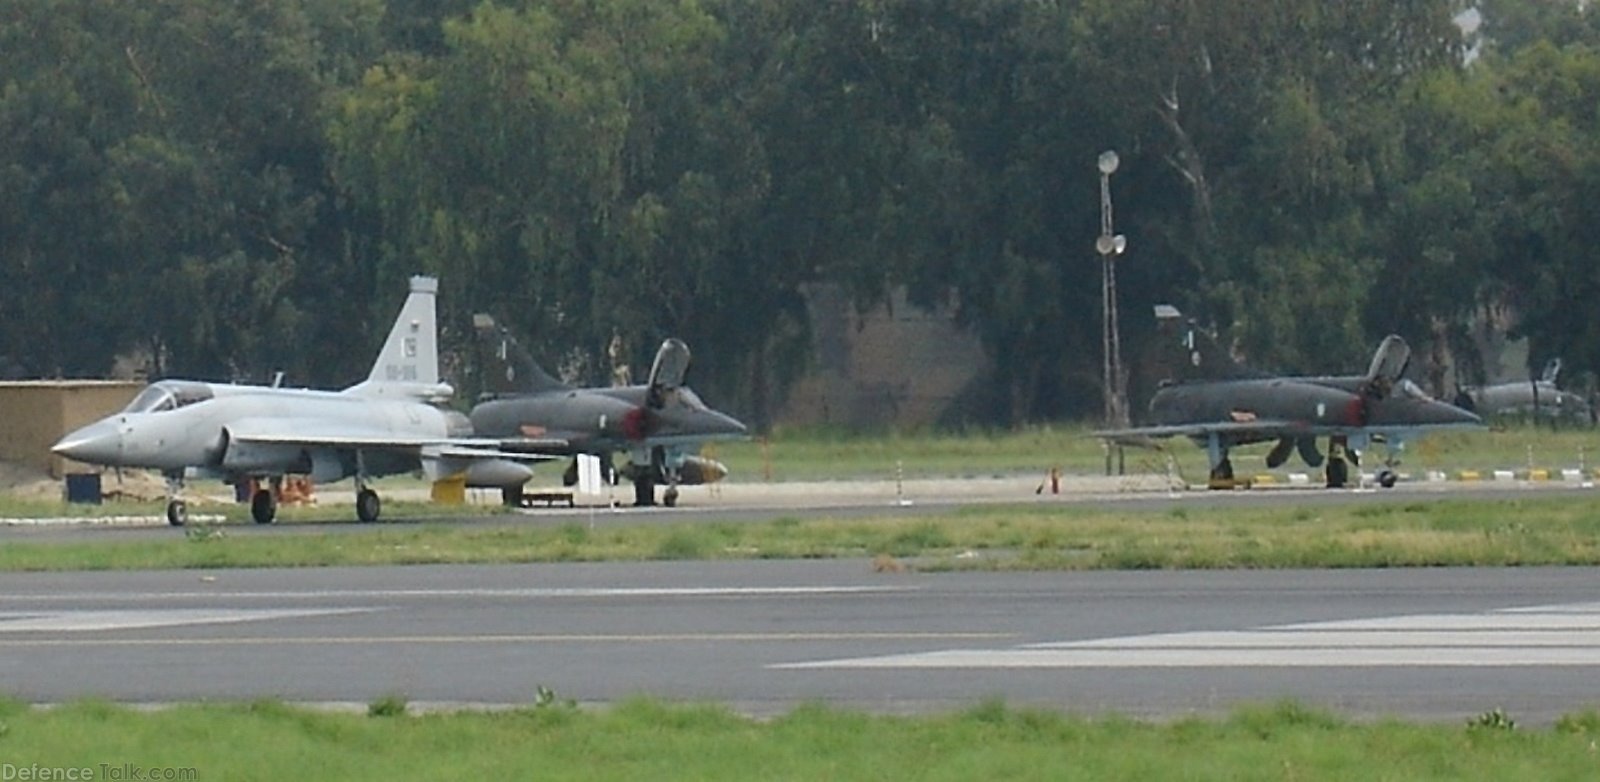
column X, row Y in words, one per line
column 724, row 424
column 97, row 443
column 1446, row 413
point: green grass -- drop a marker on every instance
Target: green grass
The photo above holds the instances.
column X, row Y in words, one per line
column 643, row 739
column 830, row 454
column 1531, row 531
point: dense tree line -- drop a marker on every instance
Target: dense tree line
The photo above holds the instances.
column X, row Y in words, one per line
column 235, row 188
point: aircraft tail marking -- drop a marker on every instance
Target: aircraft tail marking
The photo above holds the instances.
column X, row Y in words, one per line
column 1193, row 354
column 408, row 364
column 509, row 369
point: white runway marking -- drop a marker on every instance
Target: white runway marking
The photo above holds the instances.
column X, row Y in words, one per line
column 1566, row 635
column 532, row 592
column 74, row 621
column 520, row 639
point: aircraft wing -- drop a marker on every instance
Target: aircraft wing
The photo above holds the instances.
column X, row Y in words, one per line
column 551, row 447
column 1261, row 429
column 325, row 434
column 1264, row 428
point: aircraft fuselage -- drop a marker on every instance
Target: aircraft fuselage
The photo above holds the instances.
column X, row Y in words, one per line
column 199, row 435
column 603, row 420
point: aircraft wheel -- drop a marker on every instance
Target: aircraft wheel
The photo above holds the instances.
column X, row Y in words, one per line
column 368, row 505
column 1338, row 473
column 1223, row 471
column 177, row 513
column 511, row 496
column 670, row 498
column 263, row 506
column 1387, row 478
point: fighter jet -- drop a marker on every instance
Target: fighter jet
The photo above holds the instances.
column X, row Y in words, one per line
column 1219, row 403
column 1539, row 398
column 661, row 424
column 385, row 425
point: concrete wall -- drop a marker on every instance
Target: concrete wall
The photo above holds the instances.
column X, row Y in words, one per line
column 897, row 365
column 34, row 414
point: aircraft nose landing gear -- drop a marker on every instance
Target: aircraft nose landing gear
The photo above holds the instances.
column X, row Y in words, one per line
column 177, row 508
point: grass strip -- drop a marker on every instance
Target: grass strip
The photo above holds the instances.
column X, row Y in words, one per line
column 645, row 739
column 1534, row 531
column 833, row 454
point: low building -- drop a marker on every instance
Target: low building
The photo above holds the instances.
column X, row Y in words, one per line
column 896, row 365
column 34, row 414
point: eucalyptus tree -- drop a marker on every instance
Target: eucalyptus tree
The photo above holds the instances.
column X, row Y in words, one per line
column 1266, row 119
column 169, row 182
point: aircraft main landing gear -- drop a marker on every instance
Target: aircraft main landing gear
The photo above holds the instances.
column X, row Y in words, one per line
column 644, row 490
column 368, row 505
column 1337, row 470
column 1221, row 475
column 264, row 505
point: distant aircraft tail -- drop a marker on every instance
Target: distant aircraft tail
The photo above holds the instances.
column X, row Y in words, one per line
column 408, row 364
column 1552, row 370
column 508, row 368
column 1191, row 353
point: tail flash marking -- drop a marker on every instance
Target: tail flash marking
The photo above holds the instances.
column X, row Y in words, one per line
column 411, row 353
column 408, row 364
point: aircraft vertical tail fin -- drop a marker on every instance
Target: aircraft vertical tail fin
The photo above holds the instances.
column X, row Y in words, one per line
column 408, row 364
column 1190, row 353
column 1552, row 370
column 508, row 369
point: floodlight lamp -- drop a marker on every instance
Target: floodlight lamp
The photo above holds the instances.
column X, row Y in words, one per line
column 1108, row 162
column 1119, row 243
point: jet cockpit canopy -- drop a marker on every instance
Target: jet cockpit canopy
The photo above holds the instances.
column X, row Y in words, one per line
column 166, row 395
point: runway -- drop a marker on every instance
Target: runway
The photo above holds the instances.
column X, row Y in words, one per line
column 765, row 636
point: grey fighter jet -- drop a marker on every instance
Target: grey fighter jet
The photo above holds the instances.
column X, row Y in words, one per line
column 1220, row 404
column 661, row 424
column 1539, row 398
column 387, row 424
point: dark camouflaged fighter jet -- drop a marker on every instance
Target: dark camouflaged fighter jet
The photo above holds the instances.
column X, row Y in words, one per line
column 1539, row 398
column 661, row 424
column 1219, row 403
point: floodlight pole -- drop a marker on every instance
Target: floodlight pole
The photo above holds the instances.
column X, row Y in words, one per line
column 1114, row 379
